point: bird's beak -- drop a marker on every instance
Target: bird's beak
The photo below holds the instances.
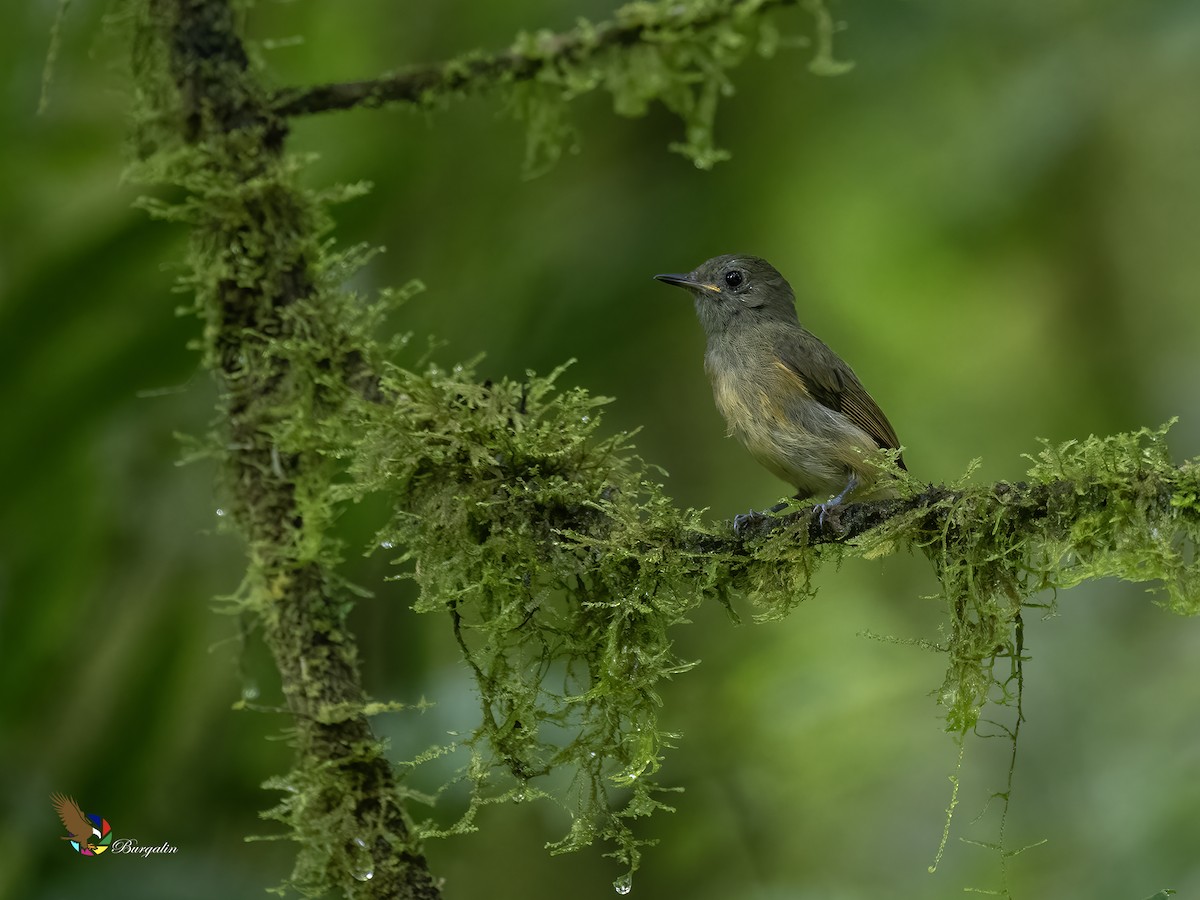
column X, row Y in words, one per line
column 685, row 281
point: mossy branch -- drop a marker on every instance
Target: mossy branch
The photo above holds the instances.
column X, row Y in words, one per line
column 269, row 334
column 564, row 568
column 530, row 58
column 675, row 52
column 1022, row 503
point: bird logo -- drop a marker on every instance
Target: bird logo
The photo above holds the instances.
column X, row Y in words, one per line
column 90, row 835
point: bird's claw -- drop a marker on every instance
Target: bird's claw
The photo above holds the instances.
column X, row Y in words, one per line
column 829, row 510
column 742, row 521
column 824, row 510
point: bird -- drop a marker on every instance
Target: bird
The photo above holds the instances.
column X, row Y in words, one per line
column 79, row 827
column 792, row 402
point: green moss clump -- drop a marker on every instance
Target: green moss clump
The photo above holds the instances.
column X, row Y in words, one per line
column 675, row 53
column 562, row 568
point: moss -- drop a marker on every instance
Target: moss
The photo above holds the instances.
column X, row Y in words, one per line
column 564, row 569
column 678, row 54
column 561, row 570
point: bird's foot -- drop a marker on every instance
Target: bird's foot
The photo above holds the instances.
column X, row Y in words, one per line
column 750, row 520
column 829, row 510
column 743, row 522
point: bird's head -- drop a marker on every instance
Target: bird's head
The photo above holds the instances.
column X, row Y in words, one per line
column 736, row 289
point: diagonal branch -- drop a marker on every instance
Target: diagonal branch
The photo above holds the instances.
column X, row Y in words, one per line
column 847, row 523
column 1024, row 504
column 478, row 73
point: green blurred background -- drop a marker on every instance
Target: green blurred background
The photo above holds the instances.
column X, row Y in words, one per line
column 994, row 217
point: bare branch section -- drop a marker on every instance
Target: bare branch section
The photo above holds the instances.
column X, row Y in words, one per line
column 850, row 522
column 1021, row 504
column 841, row 526
column 474, row 74
column 254, row 256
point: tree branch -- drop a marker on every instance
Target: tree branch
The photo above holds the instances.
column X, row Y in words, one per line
column 254, row 249
column 1026, row 502
column 478, row 73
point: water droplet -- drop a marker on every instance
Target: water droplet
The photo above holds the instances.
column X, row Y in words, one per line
column 586, row 419
column 250, row 690
column 458, row 369
column 386, row 545
column 363, row 867
column 220, row 512
column 624, row 884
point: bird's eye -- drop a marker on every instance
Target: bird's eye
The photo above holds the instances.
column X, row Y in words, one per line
column 734, row 278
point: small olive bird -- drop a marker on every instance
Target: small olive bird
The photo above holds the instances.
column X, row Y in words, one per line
column 795, row 405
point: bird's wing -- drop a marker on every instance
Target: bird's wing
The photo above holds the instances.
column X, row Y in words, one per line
column 832, row 383
column 73, row 819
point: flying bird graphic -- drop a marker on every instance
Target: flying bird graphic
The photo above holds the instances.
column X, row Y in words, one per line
column 78, row 826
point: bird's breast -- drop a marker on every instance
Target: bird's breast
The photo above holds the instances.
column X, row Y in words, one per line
column 754, row 409
column 785, row 429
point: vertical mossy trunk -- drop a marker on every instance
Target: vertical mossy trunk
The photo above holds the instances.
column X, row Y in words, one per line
column 256, row 260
